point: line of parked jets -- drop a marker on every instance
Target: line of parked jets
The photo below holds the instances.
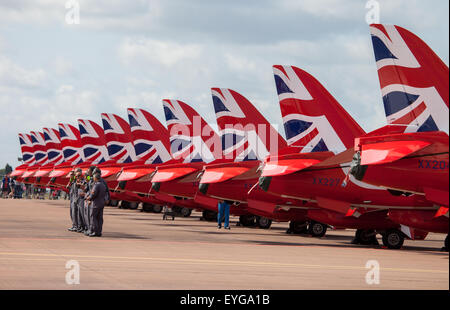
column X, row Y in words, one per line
column 328, row 172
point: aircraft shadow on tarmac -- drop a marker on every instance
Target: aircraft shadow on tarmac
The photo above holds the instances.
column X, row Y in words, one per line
column 342, row 241
column 427, row 250
column 120, row 235
column 336, row 241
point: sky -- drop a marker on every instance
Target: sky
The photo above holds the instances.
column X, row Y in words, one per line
column 134, row 53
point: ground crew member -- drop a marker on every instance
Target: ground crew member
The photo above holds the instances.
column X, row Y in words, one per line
column 108, row 196
column 97, row 197
column 71, row 187
column 224, row 213
column 5, row 187
column 79, row 188
column 87, row 203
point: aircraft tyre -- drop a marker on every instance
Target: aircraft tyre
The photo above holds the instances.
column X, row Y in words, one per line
column 157, row 208
column 209, row 216
column 124, row 204
column 146, row 207
column 365, row 237
column 298, row 227
column 114, row 203
column 247, row 220
column 393, row 239
column 133, row 205
column 263, row 222
column 186, row 212
column 317, row 229
column 176, row 209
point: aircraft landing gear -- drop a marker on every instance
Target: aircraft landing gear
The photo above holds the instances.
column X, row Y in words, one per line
column 393, row 239
column 445, row 248
column 365, row 237
column 317, row 229
column 124, row 204
column 209, row 216
column 157, row 209
column 146, row 207
column 133, row 205
column 263, row 222
column 114, row 203
column 185, row 212
column 247, row 220
column 296, row 227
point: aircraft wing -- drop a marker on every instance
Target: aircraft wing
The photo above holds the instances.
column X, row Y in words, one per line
column 60, row 172
column 134, row 173
column 169, row 174
column 387, row 152
column 216, row 175
column 106, row 172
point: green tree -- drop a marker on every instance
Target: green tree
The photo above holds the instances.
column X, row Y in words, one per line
column 8, row 169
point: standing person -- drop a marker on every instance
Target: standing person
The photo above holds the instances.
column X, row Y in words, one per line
column 28, row 191
column 80, row 202
column 71, row 187
column 12, row 187
column 87, row 201
column 107, row 196
column 5, row 186
column 97, row 197
column 223, row 214
column 18, row 190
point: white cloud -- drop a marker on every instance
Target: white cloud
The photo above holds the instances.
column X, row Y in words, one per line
column 135, row 53
column 62, row 66
column 158, row 52
column 326, row 8
column 136, row 97
column 14, row 75
column 99, row 14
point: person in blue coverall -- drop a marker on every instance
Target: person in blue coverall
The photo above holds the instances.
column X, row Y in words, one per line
column 223, row 214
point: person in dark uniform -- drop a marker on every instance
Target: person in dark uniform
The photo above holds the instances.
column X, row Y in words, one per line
column 71, row 187
column 79, row 201
column 108, row 196
column 97, row 197
column 5, row 186
column 88, row 203
column 80, row 186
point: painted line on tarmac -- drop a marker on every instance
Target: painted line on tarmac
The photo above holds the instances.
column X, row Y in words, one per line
column 216, row 262
column 217, row 242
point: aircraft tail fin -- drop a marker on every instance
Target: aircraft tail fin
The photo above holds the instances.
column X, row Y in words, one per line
column 191, row 138
column 414, row 81
column 40, row 149
column 27, row 149
column 93, row 139
column 246, row 134
column 72, row 146
column 151, row 139
column 312, row 117
column 53, row 144
column 119, row 139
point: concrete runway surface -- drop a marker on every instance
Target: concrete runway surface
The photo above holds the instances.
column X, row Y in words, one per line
column 141, row 251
